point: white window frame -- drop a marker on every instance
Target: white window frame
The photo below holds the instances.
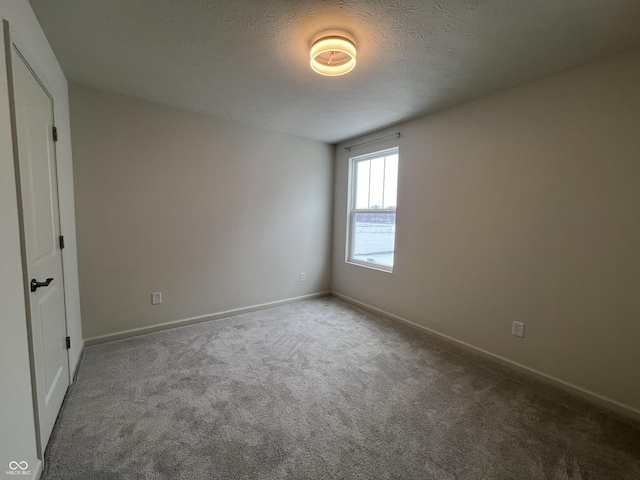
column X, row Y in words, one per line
column 352, row 210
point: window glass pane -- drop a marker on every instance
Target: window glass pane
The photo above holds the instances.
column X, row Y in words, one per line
column 374, row 237
column 376, row 186
column 362, row 184
column 391, row 182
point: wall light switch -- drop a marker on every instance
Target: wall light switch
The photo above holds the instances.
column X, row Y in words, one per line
column 156, row 298
column 302, row 277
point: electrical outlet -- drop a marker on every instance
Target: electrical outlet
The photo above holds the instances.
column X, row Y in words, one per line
column 156, row 298
column 517, row 329
column 302, row 277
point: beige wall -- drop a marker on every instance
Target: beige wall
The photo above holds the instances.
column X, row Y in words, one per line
column 213, row 214
column 17, row 431
column 524, row 206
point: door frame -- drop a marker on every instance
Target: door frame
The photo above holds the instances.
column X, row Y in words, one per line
column 12, row 42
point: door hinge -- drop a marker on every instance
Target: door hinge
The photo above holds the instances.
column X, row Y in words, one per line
column 68, row 339
column 55, row 134
column 61, row 239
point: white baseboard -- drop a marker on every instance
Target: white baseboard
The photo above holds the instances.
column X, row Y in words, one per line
column 192, row 320
column 576, row 390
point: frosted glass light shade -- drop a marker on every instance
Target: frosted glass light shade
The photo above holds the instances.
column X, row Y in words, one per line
column 333, row 56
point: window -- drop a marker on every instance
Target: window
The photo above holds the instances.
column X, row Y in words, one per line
column 372, row 209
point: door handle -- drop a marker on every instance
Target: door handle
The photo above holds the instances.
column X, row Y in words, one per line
column 36, row 284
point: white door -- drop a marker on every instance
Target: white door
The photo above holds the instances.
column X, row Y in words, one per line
column 40, row 215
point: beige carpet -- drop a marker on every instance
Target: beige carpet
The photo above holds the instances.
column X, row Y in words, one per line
column 321, row 390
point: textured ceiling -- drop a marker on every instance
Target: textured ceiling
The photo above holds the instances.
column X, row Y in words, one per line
column 249, row 60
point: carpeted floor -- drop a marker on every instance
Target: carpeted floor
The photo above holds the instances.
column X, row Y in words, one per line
column 321, row 390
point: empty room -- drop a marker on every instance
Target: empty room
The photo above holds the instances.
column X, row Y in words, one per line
column 363, row 239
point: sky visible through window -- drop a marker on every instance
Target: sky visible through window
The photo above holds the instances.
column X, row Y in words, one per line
column 377, row 183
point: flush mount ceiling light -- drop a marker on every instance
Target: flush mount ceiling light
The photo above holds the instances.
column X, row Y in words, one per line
column 333, row 56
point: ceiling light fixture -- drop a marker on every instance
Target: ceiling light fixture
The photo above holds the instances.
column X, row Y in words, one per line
column 333, row 56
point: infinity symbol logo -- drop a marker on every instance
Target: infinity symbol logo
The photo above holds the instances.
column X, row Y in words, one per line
column 18, row 465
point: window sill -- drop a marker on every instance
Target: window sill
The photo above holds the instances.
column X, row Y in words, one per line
column 371, row 266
